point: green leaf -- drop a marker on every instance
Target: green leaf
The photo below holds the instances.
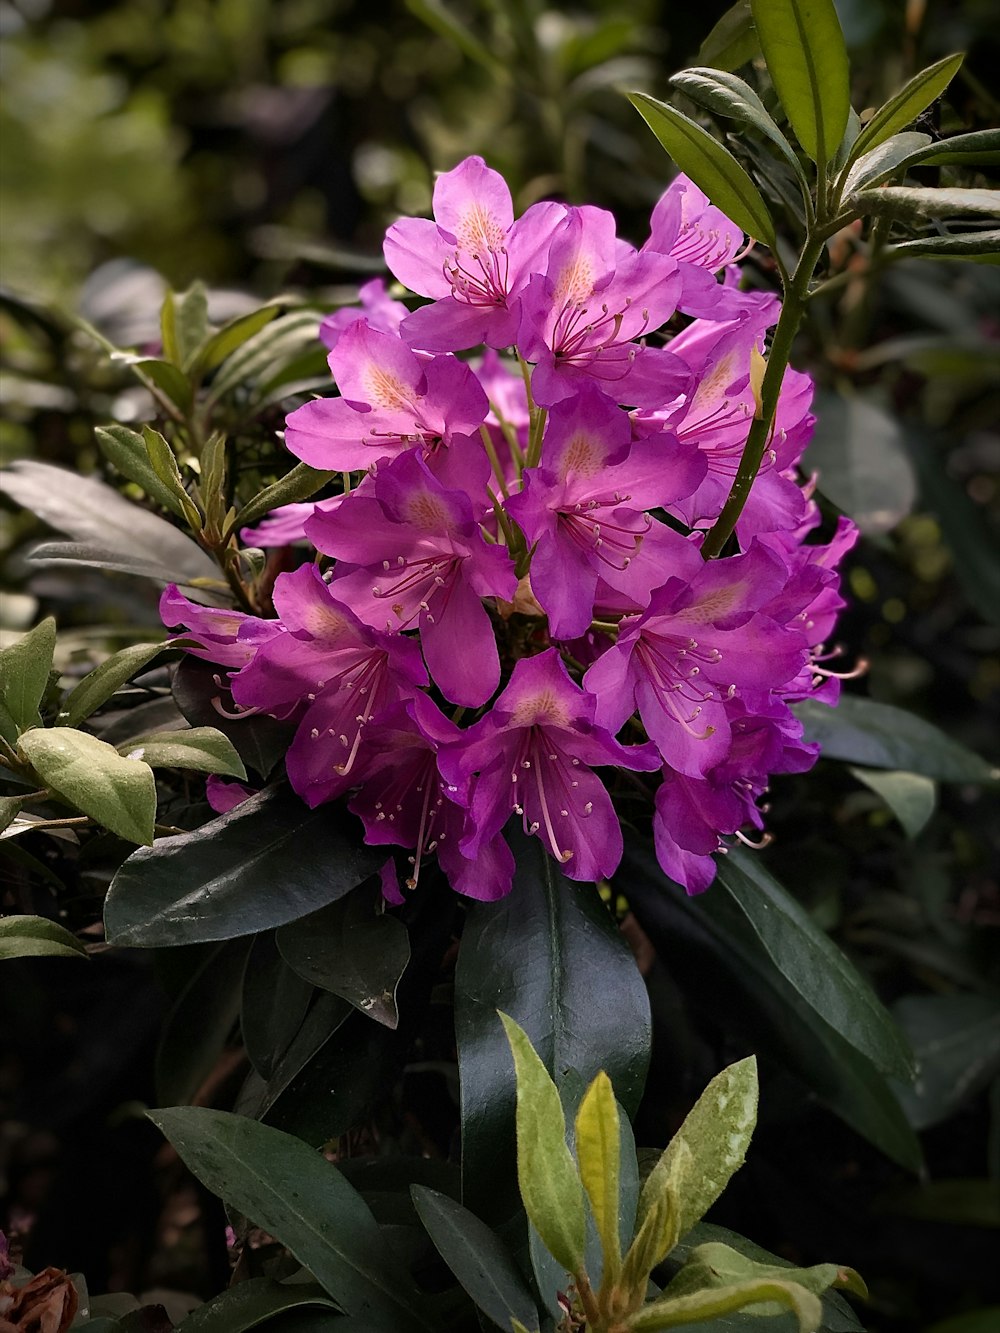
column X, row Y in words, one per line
column 201, row 1019
column 733, row 41
column 260, row 1094
column 669, row 1312
column 550, row 1186
column 292, row 488
column 226, row 340
column 24, row 673
column 126, row 450
column 35, row 936
column 155, row 373
column 598, row 1152
column 552, row 951
column 980, row 246
column 956, row 1040
column 711, row 166
column 907, row 104
column 353, row 948
column 90, row 774
column 441, row 20
column 266, row 862
column 910, row 203
column 260, row 741
column 278, row 342
column 301, row 1199
column 881, row 736
column 978, row 148
column 10, row 808
column 709, row 1148
column 984, row 1320
column 875, row 165
column 478, row 1258
column 712, row 1265
column 98, row 686
column 910, row 796
column 164, row 464
column 275, row 1003
column 658, row 1230
column 806, row 58
column 727, row 95
column 964, row 1203
column 250, row 1303
column 203, row 749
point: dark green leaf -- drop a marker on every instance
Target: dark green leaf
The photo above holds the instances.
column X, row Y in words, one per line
column 907, row 104
column 881, row 736
column 196, row 1029
column 880, row 162
column 711, row 166
column 478, row 1258
column 302, row 1200
column 980, row 246
column 292, row 488
column 24, row 673
column 10, row 808
column 910, row 796
column 978, row 148
column 34, row 936
column 325, row 1017
column 266, row 862
column 275, row 1002
column 99, row 685
column 727, row 95
column 733, row 41
column 231, row 336
column 118, row 793
column 251, row 1303
column 806, row 58
column 965, row 1203
column 126, row 449
column 911, row 203
column 113, row 528
column 551, row 954
column 276, row 343
column 956, row 1039
column 203, row 749
column 354, row 948
column 260, row 741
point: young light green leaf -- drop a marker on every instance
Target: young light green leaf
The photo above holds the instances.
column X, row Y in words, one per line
column 880, row 162
column 659, row 1230
column 550, row 1187
column 598, row 1151
column 733, row 41
column 907, row 104
column 294, row 1193
column 98, row 686
column 703, row 1305
column 292, row 488
column 714, row 1265
column 231, row 336
column 717, row 1130
column 910, row 796
column 126, row 449
column 978, row 246
column 203, row 749
column 116, row 792
column 909, row 203
column 478, row 1258
column 711, row 166
column 806, row 58
column 35, row 936
column 727, row 95
column 24, row 673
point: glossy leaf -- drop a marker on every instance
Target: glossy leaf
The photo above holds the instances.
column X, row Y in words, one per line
column 24, row 673
column 912, row 203
column 37, row 936
column 202, row 1017
column 907, row 104
column 118, row 793
column 956, row 1039
column 126, row 450
column 880, row 162
column 274, row 1004
column 733, row 41
column 113, row 530
column 550, row 1186
column 552, row 951
column 910, row 796
column 354, row 948
column 98, row 686
column 478, row 1258
column 295, row 486
column 709, row 1148
column 250, row 1303
column 202, row 749
column 727, row 95
column 882, row 736
column 598, row 1152
column 711, row 166
column 260, row 1093
column 806, row 58
column 301, row 1199
column 266, row 862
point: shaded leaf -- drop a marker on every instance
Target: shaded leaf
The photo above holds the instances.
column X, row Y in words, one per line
column 301, row 1199
column 35, row 936
column 204, row 749
column 90, row 774
column 727, row 95
column 272, row 345
column 882, row 161
column 973, row 245
column 956, row 1041
column 10, row 808
column 251, row 1303
column 260, row 741
column 882, row 736
column 164, row 464
column 806, row 58
column 295, row 486
column 266, row 862
column 907, row 104
column 323, row 1019
column 274, row 1005
column 478, row 1258
column 126, row 450
column 910, row 796
column 354, row 948
column 98, row 686
column 440, row 19
column 913, row 203
column 24, row 673
column 231, row 336
column 711, row 166
column 977, row 148
column 733, row 41
column 202, row 1017
column 965, row 1203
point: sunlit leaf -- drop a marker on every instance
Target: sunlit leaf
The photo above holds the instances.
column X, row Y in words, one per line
column 727, row 95
column 907, row 104
column 37, row 936
column 24, row 673
column 912, row 203
column 202, row 749
column 880, row 162
column 126, row 449
column 297, row 485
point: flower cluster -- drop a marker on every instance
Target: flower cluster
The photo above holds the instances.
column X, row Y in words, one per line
column 528, row 520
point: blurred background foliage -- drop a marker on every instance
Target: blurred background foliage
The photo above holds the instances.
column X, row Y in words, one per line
column 262, row 146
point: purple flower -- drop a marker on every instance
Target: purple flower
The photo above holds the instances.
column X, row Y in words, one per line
column 221, row 635
column 473, row 259
column 377, row 307
column 532, row 754
column 224, row 796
